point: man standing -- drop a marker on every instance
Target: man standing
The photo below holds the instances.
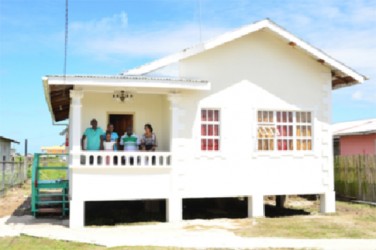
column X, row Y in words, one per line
column 129, row 140
column 93, row 137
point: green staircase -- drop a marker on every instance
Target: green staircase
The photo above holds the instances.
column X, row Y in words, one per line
column 49, row 196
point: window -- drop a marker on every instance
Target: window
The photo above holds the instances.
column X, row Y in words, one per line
column 210, row 129
column 284, row 131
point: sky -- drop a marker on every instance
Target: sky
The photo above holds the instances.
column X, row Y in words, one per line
column 111, row 36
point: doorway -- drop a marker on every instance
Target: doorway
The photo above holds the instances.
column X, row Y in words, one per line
column 121, row 122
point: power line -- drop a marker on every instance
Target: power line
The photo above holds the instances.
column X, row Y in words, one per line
column 199, row 20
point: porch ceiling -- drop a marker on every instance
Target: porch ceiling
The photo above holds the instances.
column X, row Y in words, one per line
column 57, row 88
column 58, row 100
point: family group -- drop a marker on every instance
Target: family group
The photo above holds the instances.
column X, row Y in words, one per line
column 97, row 139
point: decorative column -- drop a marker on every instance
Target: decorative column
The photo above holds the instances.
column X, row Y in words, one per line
column 77, row 207
column 328, row 198
column 175, row 126
column 174, row 203
column 75, row 127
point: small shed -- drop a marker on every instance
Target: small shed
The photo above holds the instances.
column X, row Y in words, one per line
column 5, row 148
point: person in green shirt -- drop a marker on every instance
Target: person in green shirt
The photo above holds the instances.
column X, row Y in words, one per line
column 93, row 137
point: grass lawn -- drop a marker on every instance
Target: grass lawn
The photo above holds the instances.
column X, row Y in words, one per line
column 33, row 243
column 53, row 174
column 350, row 221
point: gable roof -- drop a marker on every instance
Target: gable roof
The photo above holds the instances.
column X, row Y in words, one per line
column 361, row 127
column 342, row 75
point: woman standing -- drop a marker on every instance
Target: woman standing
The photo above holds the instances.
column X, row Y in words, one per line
column 148, row 139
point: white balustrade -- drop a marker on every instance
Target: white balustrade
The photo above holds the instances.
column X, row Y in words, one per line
column 125, row 159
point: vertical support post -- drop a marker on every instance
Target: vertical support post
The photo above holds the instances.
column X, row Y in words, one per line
column 3, row 179
column 280, row 201
column 75, row 126
column 76, row 218
column 76, row 214
column 25, row 162
column 174, row 209
column 175, row 126
column 12, row 179
column 328, row 202
column 256, row 206
column 174, row 206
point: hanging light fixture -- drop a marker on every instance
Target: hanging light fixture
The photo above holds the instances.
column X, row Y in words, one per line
column 123, row 96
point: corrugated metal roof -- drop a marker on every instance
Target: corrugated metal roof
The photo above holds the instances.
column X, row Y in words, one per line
column 354, row 127
column 133, row 77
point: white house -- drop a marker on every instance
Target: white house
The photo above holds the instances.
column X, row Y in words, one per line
column 246, row 114
column 5, row 148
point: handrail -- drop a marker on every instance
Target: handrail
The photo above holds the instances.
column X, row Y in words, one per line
column 34, row 172
column 37, row 185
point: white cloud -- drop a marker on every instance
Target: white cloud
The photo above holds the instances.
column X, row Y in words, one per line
column 357, row 95
column 365, row 93
column 112, row 36
column 345, row 30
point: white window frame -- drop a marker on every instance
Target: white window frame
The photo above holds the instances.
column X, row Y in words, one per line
column 294, row 136
column 206, row 137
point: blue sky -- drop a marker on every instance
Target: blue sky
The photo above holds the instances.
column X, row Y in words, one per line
column 110, row 36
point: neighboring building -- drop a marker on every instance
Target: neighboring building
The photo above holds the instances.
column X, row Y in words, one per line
column 247, row 114
column 5, row 148
column 355, row 137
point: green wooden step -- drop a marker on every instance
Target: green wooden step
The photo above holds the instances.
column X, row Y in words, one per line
column 51, row 195
column 51, row 202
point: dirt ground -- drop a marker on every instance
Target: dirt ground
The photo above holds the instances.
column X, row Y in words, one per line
column 16, row 201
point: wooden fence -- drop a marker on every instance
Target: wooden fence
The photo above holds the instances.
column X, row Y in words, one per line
column 355, row 177
column 12, row 173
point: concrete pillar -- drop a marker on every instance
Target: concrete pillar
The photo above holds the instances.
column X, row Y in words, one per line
column 75, row 127
column 280, row 201
column 328, row 202
column 175, row 125
column 76, row 214
column 174, row 209
column 256, row 206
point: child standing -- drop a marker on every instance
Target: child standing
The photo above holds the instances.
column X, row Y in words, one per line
column 108, row 145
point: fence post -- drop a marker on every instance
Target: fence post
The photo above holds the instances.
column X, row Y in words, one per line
column 3, row 180
column 12, row 173
column 25, row 165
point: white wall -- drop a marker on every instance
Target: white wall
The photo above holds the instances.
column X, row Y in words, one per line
column 146, row 108
column 259, row 71
column 120, row 183
column 4, row 150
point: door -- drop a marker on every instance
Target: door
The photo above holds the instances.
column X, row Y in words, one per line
column 121, row 122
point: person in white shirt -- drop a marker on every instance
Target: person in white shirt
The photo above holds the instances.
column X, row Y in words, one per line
column 108, row 145
column 131, row 142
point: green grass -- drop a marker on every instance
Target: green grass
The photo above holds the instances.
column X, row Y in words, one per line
column 52, row 174
column 350, row 221
column 33, row 243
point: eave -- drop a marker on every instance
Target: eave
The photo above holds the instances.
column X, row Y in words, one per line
column 57, row 88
